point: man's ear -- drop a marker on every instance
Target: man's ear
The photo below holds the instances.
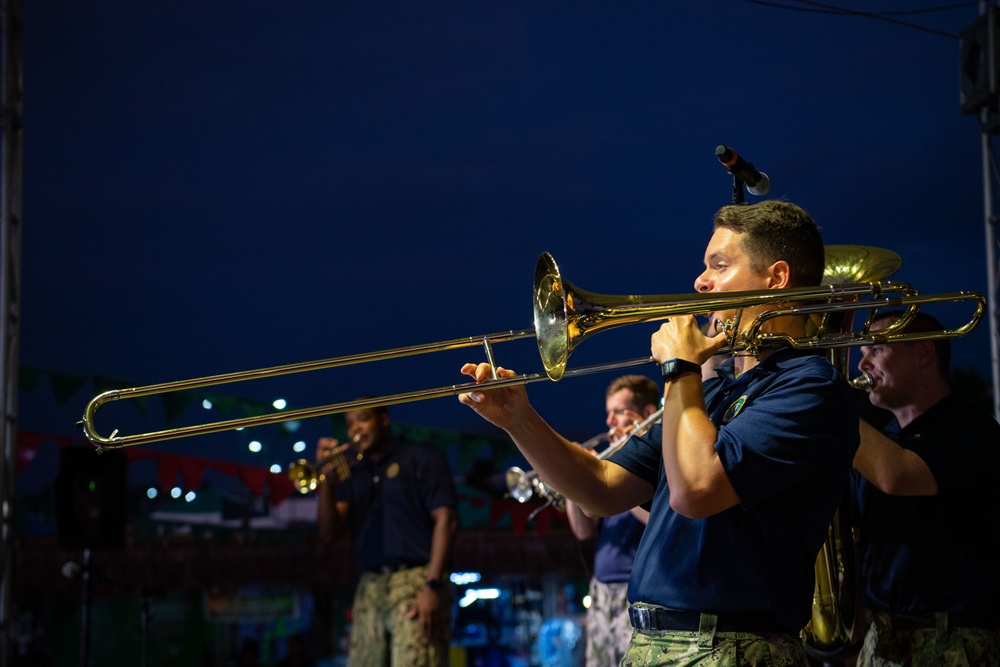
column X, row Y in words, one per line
column 779, row 275
column 926, row 352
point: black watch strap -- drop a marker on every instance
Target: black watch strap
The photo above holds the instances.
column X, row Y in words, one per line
column 434, row 584
column 674, row 368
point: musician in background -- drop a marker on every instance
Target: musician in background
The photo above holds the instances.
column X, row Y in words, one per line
column 398, row 505
column 629, row 400
column 742, row 478
column 926, row 494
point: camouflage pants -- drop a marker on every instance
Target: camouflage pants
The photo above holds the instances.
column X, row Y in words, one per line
column 708, row 648
column 608, row 627
column 939, row 646
column 381, row 634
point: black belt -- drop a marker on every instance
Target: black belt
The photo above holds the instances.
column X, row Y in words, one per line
column 906, row 622
column 659, row 618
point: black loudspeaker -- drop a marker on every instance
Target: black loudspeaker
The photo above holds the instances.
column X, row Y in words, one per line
column 91, row 493
column 979, row 45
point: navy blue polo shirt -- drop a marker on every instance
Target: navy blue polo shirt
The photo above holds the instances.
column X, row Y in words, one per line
column 787, row 434
column 617, row 544
column 391, row 500
column 926, row 554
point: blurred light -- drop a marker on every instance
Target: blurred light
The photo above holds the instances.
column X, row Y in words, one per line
column 587, row 601
column 280, row 404
column 175, row 492
column 292, row 425
column 207, row 404
column 189, row 496
column 275, row 468
column 151, row 492
column 474, row 594
column 255, row 446
column 465, row 578
column 299, row 446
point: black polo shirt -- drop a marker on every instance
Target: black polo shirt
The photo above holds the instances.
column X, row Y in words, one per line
column 391, row 500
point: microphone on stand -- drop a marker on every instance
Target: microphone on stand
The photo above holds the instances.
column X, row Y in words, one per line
column 757, row 182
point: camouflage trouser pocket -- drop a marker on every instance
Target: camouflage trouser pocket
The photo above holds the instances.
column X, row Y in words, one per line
column 381, row 631
column 707, row 648
column 928, row 647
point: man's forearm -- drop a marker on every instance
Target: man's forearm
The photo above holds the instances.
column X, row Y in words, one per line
column 442, row 541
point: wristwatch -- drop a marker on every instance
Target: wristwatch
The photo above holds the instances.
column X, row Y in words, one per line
column 434, row 584
column 674, row 368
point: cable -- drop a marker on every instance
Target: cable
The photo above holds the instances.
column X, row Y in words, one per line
column 824, row 8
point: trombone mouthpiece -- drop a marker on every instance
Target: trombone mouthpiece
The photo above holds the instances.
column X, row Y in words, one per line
column 863, row 381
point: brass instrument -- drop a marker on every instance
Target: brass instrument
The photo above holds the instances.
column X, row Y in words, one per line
column 307, row 477
column 522, row 485
column 863, row 381
column 564, row 316
column 830, row 632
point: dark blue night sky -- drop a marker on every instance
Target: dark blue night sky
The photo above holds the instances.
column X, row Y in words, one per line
column 210, row 187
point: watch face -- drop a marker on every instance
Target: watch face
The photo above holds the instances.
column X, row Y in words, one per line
column 676, row 367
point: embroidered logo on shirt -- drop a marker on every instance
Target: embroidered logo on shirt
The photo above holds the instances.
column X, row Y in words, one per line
column 392, row 470
column 734, row 409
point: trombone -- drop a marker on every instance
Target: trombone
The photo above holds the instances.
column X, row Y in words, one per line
column 565, row 316
column 522, row 485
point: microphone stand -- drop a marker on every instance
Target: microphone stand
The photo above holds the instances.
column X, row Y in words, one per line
column 738, row 196
column 85, row 590
column 143, row 627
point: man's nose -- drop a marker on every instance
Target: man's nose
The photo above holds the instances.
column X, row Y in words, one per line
column 702, row 283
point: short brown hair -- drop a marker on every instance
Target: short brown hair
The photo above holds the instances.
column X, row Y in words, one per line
column 644, row 390
column 774, row 230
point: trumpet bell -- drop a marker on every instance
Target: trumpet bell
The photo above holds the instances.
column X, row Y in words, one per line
column 303, row 476
column 519, row 484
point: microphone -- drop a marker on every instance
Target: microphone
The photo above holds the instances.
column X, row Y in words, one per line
column 757, row 182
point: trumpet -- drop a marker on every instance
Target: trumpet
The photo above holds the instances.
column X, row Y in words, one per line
column 565, row 316
column 307, row 477
column 522, row 485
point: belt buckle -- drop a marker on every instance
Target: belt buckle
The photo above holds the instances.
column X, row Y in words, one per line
column 642, row 618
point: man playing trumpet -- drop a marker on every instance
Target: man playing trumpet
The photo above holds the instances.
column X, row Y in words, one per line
column 398, row 504
column 629, row 400
column 741, row 479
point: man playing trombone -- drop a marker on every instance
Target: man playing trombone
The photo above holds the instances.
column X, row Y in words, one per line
column 928, row 505
column 629, row 400
column 743, row 476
